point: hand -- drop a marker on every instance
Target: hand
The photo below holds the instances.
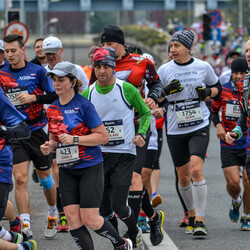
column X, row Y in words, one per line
column 45, row 148
column 158, row 113
column 26, row 98
column 230, row 137
column 221, row 132
column 150, row 103
column 66, row 138
column 138, row 141
column 173, row 87
column 203, row 92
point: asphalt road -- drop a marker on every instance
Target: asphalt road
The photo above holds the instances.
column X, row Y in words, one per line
column 222, row 233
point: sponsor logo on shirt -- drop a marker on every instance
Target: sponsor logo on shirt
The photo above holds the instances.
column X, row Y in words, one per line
column 22, row 78
column 71, row 111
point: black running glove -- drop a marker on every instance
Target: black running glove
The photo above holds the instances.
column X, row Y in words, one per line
column 173, row 87
column 203, row 92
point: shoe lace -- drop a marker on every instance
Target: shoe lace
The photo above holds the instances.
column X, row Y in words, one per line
column 51, row 224
column 25, row 225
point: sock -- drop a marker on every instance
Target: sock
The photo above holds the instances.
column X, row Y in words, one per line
column 113, row 220
column 52, row 211
column 20, row 247
column 25, row 219
column 200, row 197
column 146, row 205
column 108, row 231
column 187, row 195
column 238, row 200
column 134, row 201
column 82, row 238
column 5, row 235
column 130, row 222
column 155, row 218
column 59, row 203
column 15, row 222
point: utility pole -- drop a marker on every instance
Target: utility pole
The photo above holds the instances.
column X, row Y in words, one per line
column 240, row 15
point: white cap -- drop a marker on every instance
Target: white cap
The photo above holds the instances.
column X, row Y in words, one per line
column 2, row 45
column 51, row 44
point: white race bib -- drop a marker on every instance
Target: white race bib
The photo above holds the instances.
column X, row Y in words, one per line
column 115, row 131
column 12, row 95
column 67, row 155
column 232, row 110
column 189, row 115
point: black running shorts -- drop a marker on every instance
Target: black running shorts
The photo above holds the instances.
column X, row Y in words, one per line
column 4, row 194
column 118, row 168
column 29, row 150
column 232, row 157
column 150, row 158
column 183, row 146
column 82, row 186
column 141, row 153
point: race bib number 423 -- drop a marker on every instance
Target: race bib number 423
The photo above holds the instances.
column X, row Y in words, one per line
column 189, row 115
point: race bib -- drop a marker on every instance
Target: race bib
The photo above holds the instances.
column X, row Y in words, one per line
column 232, row 110
column 115, row 131
column 12, row 95
column 189, row 115
column 67, row 155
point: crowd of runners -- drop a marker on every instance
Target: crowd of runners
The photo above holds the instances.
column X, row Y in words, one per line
column 94, row 135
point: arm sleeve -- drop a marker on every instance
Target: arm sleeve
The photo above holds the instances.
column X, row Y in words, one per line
column 215, row 108
column 19, row 132
column 47, row 98
column 134, row 98
column 242, row 122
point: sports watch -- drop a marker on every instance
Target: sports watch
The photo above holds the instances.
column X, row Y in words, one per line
column 76, row 140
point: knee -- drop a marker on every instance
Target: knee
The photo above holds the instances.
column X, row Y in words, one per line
column 88, row 221
column 197, row 174
column 233, row 184
column 20, row 179
column 136, row 179
column 47, row 182
column 184, row 181
column 145, row 175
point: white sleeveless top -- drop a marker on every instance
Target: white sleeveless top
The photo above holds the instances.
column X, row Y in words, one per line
column 117, row 116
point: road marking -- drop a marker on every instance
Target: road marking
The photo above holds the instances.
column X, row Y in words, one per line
column 167, row 243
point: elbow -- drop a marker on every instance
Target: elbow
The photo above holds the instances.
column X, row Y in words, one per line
column 105, row 138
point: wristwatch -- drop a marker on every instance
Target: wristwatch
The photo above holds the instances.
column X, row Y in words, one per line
column 76, row 140
column 144, row 137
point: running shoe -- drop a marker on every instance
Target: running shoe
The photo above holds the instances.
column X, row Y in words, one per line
column 245, row 226
column 16, row 237
column 27, row 233
column 50, row 230
column 156, row 200
column 190, row 226
column 63, row 225
column 30, row 245
column 17, row 228
column 184, row 221
column 156, row 231
column 200, row 230
column 34, row 176
column 128, row 245
column 143, row 225
column 234, row 212
column 137, row 239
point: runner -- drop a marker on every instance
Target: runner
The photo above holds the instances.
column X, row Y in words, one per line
column 88, row 68
column 40, row 58
column 27, row 82
column 12, row 128
column 232, row 156
column 184, row 80
column 135, row 69
column 3, row 60
column 119, row 153
column 75, row 133
column 237, row 133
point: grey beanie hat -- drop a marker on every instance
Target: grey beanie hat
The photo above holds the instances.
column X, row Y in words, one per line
column 184, row 37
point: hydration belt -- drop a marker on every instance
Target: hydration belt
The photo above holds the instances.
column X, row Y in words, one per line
column 246, row 90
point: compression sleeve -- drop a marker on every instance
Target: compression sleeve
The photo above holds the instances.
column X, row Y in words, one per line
column 134, row 98
column 46, row 99
column 18, row 132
